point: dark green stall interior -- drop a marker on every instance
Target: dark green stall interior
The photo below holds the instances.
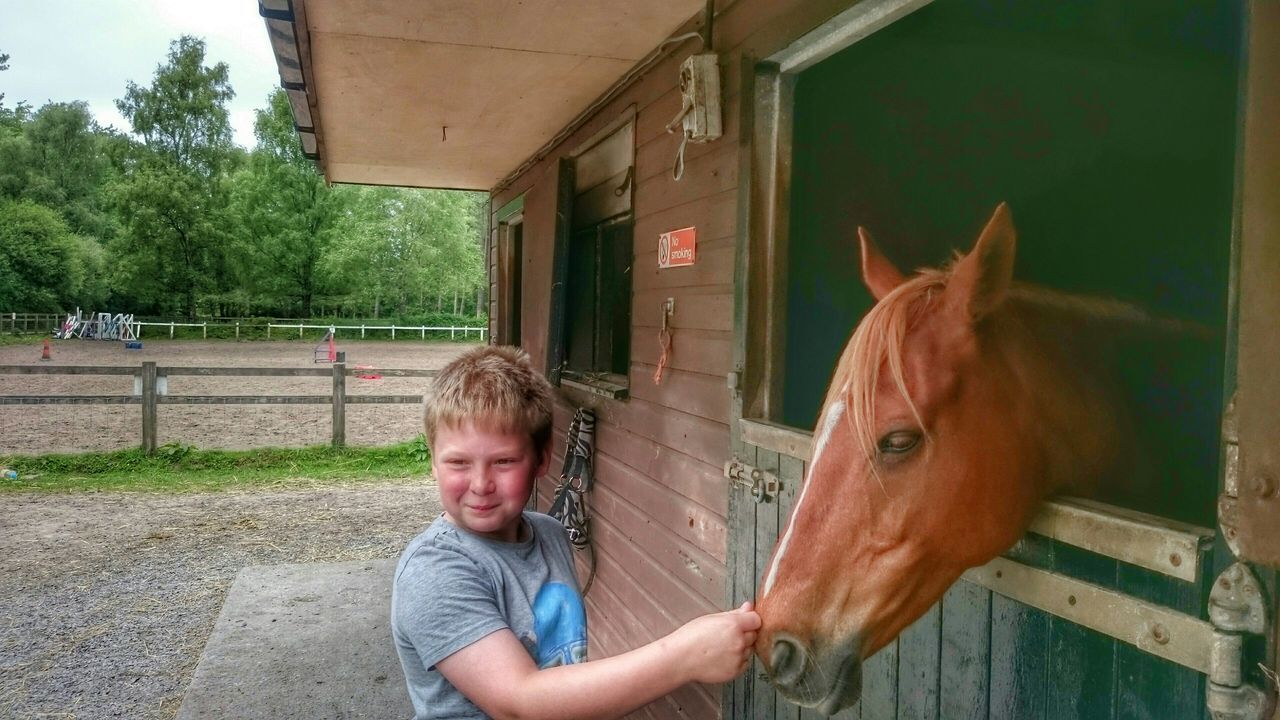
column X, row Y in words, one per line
column 1110, row 130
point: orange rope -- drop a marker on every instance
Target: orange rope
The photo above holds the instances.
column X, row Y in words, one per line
column 664, row 342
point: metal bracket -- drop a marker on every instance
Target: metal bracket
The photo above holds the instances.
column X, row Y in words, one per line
column 1236, row 609
column 764, row 486
column 1228, row 501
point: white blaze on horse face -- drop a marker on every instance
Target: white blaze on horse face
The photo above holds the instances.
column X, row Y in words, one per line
column 829, row 423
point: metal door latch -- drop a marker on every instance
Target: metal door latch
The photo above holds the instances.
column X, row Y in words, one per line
column 1236, row 609
column 764, row 486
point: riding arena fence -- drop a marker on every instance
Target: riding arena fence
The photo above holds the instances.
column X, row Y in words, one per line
column 150, row 385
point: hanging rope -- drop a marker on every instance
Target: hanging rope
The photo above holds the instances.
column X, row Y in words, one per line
column 569, row 504
column 664, row 341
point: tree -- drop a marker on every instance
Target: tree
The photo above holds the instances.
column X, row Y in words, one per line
column 43, row 266
column 285, row 215
column 58, row 160
column 401, row 246
column 183, row 114
column 172, row 198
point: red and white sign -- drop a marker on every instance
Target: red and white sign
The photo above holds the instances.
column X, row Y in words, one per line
column 678, row 247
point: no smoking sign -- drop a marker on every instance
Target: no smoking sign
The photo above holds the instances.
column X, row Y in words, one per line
column 677, row 248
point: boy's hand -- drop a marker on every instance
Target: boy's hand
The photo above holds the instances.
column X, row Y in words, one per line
column 716, row 648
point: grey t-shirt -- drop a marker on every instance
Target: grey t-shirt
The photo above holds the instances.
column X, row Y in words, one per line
column 453, row 588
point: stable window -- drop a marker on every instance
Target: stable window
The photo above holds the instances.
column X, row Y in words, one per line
column 591, row 348
column 1108, row 131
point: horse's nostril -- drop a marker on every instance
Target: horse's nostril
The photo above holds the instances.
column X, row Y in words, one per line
column 787, row 661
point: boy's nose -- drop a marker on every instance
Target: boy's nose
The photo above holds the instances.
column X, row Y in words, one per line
column 482, row 482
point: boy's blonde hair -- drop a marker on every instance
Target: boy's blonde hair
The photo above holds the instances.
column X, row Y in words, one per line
column 492, row 384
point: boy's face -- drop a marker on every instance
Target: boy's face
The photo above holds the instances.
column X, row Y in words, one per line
column 485, row 477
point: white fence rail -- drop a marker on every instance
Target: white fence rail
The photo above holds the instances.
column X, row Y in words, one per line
column 423, row 329
column 33, row 322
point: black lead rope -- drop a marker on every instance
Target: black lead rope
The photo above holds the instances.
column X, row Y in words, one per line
column 569, row 504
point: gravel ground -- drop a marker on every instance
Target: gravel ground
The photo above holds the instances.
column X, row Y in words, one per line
column 107, row 599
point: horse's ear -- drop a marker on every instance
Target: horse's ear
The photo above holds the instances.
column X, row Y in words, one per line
column 880, row 275
column 980, row 280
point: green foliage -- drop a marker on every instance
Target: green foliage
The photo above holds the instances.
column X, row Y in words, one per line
column 171, row 197
column 418, row 449
column 176, row 220
column 171, row 234
column 176, row 468
column 182, row 115
column 43, row 266
column 285, row 215
column 399, row 248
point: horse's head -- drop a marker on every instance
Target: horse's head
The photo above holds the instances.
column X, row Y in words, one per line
column 919, row 471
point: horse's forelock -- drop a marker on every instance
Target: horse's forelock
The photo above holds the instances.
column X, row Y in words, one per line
column 877, row 342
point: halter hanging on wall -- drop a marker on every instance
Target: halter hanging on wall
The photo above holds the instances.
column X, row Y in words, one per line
column 569, row 501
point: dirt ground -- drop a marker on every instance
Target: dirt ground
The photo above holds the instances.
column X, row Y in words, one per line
column 35, row 429
column 107, row 599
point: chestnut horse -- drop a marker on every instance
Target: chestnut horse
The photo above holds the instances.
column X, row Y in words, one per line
column 960, row 403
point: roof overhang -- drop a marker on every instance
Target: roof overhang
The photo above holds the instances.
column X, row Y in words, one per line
column 452, row 93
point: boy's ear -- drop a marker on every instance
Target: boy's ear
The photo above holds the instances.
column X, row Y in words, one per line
column 544, row 462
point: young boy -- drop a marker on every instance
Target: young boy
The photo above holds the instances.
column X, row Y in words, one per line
column 486, row 613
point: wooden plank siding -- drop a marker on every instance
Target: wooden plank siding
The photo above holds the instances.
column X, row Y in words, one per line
column 660, row 506
column 660, row 511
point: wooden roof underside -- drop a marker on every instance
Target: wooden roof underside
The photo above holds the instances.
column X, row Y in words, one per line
column 459, row 93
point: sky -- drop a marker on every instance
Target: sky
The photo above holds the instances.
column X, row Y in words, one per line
column 65, row 50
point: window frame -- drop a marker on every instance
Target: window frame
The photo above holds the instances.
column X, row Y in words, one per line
column 607, row 384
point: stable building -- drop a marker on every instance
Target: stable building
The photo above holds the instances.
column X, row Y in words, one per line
column 676, row 188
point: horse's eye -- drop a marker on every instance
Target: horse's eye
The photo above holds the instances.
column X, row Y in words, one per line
column 898, row 442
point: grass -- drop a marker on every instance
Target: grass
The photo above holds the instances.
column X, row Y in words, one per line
column 20, row 339
column 183, row 468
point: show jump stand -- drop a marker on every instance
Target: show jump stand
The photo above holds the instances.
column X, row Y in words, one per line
column 302, row 641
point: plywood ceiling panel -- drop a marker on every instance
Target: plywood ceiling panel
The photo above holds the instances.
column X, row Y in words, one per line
column 458, row 93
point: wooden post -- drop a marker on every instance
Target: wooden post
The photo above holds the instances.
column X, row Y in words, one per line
column 148, row 407
column 339, row 404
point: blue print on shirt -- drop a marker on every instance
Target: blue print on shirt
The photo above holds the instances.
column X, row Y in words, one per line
column 560, row 622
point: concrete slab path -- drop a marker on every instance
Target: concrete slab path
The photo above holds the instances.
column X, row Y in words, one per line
column 302, row 641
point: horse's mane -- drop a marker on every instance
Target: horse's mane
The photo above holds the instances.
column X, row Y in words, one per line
column 878, row 340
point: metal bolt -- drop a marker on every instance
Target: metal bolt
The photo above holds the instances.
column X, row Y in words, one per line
column 1160, row 634
column 1263, row 486
column 1071, row 599
column 1175, row 559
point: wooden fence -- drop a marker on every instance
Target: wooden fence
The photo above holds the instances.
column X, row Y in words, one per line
column 29, row 322
column 151, row 390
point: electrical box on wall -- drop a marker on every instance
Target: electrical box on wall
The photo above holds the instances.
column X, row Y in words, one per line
column 700, row 89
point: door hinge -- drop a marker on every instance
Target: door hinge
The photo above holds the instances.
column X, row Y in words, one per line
column 1229, row 500
column 1236, row 609
column 764, row 486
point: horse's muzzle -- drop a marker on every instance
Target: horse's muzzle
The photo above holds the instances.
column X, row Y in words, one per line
column 827, row 681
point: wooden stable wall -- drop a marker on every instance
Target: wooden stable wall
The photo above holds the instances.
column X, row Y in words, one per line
column 660, row 503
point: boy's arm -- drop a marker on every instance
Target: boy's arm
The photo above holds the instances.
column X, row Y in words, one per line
column 497, row 674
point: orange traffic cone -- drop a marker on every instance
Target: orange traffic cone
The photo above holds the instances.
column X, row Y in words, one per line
column 45, row 354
